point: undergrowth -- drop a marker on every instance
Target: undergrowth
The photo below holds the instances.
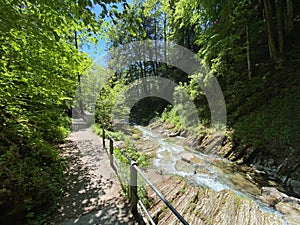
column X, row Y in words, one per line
column 31, row 173
column 140, row 158
column 272, row 127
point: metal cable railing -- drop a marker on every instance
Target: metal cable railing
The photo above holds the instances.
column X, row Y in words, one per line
column 134, row 171
column 174, row 211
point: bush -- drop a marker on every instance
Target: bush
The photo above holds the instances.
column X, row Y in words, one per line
column 31, row 174
column 31, row 180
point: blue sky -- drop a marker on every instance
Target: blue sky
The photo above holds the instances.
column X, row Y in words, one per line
column 98, row 52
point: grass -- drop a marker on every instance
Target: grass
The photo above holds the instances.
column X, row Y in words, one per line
column 117, row 136
column 140, row 158
column 171, row 117
column 273, row 128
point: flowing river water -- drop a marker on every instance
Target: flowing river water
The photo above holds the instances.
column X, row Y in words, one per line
column 199, row 169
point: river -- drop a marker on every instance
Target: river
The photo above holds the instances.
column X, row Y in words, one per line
column 198, row 169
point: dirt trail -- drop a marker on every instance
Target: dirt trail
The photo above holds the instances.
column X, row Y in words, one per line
column 93, row 193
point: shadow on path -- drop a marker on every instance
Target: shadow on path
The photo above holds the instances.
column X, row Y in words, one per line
column 93, row 194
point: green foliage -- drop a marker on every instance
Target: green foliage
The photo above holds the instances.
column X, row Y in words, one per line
column 142, row 161
column 97, row 129
column 272, row 127
column 31, row 176
column 140, row 158
column 230, row 37
column 182, row 120
column 39, row 69
column 91, row 84
column 128, row 26
column 106, row 101
column 171, row 116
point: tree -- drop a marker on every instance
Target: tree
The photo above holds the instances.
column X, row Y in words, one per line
column 282, row 11
column 38, row 78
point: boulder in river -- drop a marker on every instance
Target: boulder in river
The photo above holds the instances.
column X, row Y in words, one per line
column 288, row 206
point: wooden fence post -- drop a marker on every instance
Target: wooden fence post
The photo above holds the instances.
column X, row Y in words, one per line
column 133, row 188
column 111, row 151
column 103, row 137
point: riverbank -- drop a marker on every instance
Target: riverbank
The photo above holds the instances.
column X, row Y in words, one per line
column 262, row 166
column 249, row 179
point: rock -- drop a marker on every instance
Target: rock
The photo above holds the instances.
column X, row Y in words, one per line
column 194, row 141
column 291, row 200
column 271, row 162
column 290, row 210
column 154, row 126
column 210, row 144
column 242, row 181
column 184, row 133
column 203, row 206
column 145, row 146
column 174, row 133
column 226, row 150
column 271, row 196
column 190, row 158
column 295, row 185
column 288, row 206
column 136, row 136
column 184, row 166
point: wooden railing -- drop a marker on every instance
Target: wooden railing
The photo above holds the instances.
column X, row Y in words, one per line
column 133, row 178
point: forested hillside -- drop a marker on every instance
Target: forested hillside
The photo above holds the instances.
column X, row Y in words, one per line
column 251, row 47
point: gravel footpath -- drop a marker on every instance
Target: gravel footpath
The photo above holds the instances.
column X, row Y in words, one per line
column 93, row 193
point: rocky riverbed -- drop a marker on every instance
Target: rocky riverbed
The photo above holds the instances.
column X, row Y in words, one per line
column 205, row 206
column 239, row 195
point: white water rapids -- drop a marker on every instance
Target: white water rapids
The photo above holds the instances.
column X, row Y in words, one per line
column 209, row 172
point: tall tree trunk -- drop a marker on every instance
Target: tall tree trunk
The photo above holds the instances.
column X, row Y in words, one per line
column 248, row 52
column 142, row 66
column 165, row 42
column 155, row 64
column 274, row 55
column 280, row 31
column 79, row 82
column 154, row 70
column 289, row 16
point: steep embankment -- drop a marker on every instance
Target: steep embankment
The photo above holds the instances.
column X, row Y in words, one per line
column 264, row 124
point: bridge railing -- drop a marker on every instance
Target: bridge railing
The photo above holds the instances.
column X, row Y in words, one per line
column 133, row 181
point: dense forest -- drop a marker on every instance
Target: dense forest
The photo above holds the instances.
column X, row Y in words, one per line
column 252, row 47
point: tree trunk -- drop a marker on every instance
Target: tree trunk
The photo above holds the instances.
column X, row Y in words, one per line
column 280, row 31
column 248, row 52
column 289, row 17
column 142, row 66
column 79, row 82
column 165, row 43
column 155, row 64
column 274, row 55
